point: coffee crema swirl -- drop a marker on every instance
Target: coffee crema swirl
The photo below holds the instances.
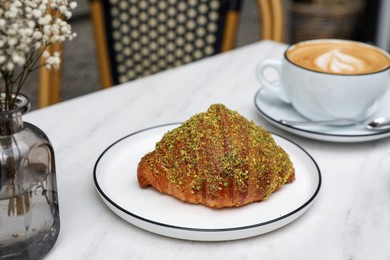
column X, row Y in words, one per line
column 338, row 57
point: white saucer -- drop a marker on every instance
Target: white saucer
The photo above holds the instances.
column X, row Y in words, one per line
column 274, row 110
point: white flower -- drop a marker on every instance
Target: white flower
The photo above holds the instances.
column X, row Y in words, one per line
column 28, row 32
column 17, row 59
column 54, row 39
column 37, row 13
column 37, row 35
column 11, row 31
column 12, row 41
column 62, row 9
column 42, row 21
column 10, row 66
column 53, row 61
column 73, row 5
column 17, row 3
column 46, row 54
column 68, row 14
column 12, row 12
column 37, row 45
column 31, row 24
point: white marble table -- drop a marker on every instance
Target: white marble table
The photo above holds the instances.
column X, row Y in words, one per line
column 349, row 220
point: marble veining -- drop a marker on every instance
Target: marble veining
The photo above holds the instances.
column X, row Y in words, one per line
column 349, row 220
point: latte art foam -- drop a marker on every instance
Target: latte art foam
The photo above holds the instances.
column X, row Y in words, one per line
column 338, row 57
column 338, row 62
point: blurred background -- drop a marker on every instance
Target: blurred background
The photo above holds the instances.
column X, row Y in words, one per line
column 362, row 20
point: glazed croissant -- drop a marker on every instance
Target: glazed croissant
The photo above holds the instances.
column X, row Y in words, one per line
column 217, row 158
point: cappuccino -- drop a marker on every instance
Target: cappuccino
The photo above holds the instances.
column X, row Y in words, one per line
column 330, row 79
column 338, row 57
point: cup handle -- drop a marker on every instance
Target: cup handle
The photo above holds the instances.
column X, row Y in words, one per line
column 278, row 89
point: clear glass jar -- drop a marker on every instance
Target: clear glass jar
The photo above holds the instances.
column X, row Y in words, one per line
column 29, row 216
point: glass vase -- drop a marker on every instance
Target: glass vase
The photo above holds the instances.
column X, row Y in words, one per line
column 29, row 217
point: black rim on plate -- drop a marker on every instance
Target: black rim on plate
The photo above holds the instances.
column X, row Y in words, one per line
column 102, row 193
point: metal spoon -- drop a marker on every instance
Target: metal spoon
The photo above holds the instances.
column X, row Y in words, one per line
column 378, row 124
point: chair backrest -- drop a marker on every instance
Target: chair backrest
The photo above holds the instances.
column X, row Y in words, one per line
column 136, row 38
column 272, row 20
column 182, row 31
column 50, row 80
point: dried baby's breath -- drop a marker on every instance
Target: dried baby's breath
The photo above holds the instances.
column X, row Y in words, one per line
column 27, row 28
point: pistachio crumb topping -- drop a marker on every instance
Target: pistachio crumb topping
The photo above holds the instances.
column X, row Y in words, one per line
column 220, row 149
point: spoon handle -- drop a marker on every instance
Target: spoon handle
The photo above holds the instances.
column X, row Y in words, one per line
column 335, row 122
column 381, row 123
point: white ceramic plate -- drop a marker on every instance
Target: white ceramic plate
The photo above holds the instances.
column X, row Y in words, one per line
column 274, row 110
column 115, row 177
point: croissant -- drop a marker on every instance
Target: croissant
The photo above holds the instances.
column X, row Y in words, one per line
column 217, row 158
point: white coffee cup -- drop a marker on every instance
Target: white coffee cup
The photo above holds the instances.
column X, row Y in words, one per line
column 330, row 79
